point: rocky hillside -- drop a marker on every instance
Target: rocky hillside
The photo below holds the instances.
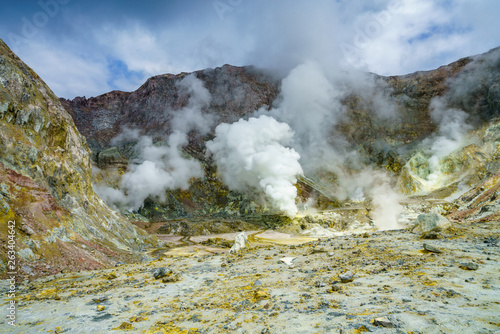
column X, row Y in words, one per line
column 401, row 145
column 235, row 91
column 46, row 183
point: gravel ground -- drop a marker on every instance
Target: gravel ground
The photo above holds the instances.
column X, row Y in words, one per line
column 380, row 282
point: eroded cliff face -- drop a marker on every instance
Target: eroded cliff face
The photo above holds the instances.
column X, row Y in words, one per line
column 46, row 183
column 405, row 146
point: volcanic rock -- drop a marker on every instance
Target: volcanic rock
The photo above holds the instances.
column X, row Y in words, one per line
column 46, row 182
column 430, row 222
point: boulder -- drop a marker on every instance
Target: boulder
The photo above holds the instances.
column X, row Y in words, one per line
column 427, row 222
column 239, row 242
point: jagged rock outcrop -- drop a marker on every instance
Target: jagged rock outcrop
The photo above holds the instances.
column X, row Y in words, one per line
column 46, row 183
column 480, row 204
column 235, row 91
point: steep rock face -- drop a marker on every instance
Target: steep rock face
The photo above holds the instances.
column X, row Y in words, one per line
column 46, row 183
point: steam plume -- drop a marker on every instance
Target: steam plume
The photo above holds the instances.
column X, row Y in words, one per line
column 252, row 156
column 450, row 136
column 311, row 103
column 163, row 167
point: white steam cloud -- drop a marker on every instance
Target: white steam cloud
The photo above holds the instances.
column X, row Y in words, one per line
column 163, row 167
column 375, row 185
column 311, row 103
column 251, row 155
column 385, row 201
column 452, row 130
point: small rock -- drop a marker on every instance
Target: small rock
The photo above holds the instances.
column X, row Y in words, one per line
column 162, row 272
column 288, row 260
column 318, row 250
column 431, row 248
column 99, row 300
column 172, row 278
column 100, row 308
column 125, row 326
column 59, row 330
column 261, row 294
column 320, row 284
column 383, row 322
column 346, row 277
column 335, row 288
column 469, row 266
column 110, row 276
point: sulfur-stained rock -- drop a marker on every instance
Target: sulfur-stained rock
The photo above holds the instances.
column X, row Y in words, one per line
column 261, row 294
column 100, row 299
column 172, row 278
column 125, row 326
column 46, row 172
column 469, row 266
column 111, row 276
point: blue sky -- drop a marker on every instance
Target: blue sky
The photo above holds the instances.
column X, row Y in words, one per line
column 87, row 48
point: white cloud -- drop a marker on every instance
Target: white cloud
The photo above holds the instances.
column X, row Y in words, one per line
column 75, row 53
column 422, row 35
column 139, row 48
column 67, row 72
